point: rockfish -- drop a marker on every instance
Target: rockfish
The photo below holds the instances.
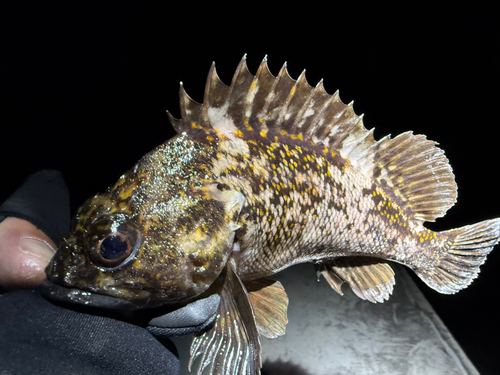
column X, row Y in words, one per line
column 264, row 174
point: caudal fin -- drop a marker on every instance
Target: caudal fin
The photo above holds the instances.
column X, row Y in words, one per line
column 459, row 264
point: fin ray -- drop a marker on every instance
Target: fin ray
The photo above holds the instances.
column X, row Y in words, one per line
column 369, row 278
column 231, row 344
column 459, row 264
column 407, row 163
column 270, row 303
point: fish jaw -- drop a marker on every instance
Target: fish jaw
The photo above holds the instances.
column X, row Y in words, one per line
column 142, row 282
column 70, row 280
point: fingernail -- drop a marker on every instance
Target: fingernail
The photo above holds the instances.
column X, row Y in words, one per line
column 36, row 248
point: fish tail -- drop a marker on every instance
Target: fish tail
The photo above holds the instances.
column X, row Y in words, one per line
column 466, row 250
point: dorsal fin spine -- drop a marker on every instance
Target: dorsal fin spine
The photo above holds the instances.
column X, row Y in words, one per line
column 176, row 123
column 242, row 66
column 301, row 117
column 185, row 99
column 288, row 101
column 262, row 71
column 409, row 165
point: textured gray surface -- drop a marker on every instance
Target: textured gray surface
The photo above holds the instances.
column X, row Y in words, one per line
column 328, row 334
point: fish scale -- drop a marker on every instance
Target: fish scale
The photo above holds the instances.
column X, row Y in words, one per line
column 264, row 174
column 318, row 194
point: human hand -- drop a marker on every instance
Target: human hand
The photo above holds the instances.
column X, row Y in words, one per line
column 25, row 251
column 35, row 218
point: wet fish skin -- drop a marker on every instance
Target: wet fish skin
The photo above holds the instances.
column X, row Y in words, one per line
column 266, row 173
column 179, row 228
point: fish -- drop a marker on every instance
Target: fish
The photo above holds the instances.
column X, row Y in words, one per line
column 266, row 173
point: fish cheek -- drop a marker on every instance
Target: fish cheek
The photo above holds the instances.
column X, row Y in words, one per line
column 188, row 266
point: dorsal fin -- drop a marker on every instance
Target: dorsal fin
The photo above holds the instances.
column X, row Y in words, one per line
column 418, row 172
column 410, row 165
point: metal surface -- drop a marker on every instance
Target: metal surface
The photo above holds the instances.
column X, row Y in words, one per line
column 328, row 334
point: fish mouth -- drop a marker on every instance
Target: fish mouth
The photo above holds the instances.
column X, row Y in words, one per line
column 64, row 295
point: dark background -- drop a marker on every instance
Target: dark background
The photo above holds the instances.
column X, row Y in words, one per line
column 84, row 87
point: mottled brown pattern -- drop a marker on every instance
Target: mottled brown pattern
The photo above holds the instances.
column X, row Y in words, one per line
column 292, row 175
column 267, row 173
column 305, row 202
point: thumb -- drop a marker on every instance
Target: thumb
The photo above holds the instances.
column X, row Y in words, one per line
column 25, row 251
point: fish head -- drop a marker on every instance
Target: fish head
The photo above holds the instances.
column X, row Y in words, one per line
column 146, row 244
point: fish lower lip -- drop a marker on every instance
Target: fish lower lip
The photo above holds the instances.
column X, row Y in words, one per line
column 59, row 293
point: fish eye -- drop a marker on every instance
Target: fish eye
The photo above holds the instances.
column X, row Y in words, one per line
column 112, row 244
column 114, row 247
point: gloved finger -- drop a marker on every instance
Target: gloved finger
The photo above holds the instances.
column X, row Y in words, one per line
column 192, row 318
column 25, row 251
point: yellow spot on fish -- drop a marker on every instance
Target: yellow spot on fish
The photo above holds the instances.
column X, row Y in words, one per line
column 210, row 138
column 238, row 133
column 194, row 125
column 283, row 132
column 253, row 85
column 263, row 134
column 127, row 193
column 199, row 235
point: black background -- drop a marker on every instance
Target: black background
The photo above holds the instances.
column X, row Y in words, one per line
column 84, row 87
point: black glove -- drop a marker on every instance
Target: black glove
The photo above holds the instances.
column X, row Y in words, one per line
column 74, row 339
column 43, row 200
column 192, row 318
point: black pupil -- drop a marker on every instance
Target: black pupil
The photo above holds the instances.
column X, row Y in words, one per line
column 113, row 247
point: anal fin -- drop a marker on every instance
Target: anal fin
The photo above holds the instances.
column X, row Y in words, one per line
column 370, row 279
column 231, row 345
column 270, row 303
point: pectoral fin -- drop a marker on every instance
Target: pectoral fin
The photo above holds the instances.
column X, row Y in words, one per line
column 231, row 345
column 270, row 303
column 370, row 279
